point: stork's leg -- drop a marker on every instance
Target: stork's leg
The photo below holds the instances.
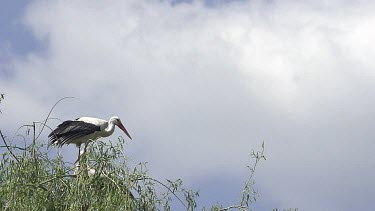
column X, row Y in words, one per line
column 84, row 150
column 79, row 153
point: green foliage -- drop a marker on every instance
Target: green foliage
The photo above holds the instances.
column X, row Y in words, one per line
column 32, row 180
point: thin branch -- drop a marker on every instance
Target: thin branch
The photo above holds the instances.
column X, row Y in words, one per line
column 44, row 125
column 160, row 183
column 15, row 147
column 258, row 156
column 57, row 177
column 51, row 112
column 240, row 207
column 3, row 138
column 35, row 186
column 16, row 133
column 114, row 182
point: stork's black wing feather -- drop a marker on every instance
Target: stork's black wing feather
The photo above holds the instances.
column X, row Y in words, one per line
column 68, row 131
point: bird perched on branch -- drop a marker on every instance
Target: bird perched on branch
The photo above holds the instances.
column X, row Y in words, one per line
column 84, row 130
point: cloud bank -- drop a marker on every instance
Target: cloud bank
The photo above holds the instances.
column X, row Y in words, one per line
column 200, row 85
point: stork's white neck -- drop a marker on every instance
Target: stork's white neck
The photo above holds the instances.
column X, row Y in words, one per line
column 110, row 128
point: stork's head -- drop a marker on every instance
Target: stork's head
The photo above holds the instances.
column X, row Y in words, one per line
column 117, row 121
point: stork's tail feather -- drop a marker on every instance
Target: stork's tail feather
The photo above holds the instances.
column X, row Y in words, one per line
column 54, row 140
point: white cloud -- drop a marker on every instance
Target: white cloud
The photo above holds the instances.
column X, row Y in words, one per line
column 199, row 87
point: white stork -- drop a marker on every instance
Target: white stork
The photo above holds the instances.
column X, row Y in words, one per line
column 83, row 130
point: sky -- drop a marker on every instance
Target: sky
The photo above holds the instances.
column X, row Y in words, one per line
column 199, row 84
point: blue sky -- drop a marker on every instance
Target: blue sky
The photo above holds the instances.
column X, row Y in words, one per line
column 14, row 34
column 198, row 85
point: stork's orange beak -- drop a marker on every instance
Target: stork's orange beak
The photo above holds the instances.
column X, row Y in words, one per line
column 124, row 129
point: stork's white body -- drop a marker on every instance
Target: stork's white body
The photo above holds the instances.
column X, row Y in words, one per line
column 105, row 130
column 84, row 130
